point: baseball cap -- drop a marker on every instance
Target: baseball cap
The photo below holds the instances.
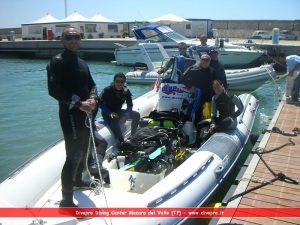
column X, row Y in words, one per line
column 213, row 51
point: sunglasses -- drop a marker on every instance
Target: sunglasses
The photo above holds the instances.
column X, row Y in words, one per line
column 70, row 37
column 182, row 48
column 120, row 81
column 205, row 59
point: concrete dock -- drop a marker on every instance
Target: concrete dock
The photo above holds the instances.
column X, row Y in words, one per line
column 90, row 48
column 271, row 175
column 103, row 48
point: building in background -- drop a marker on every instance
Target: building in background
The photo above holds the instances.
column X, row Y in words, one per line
column 48, row 27
column 98, row 26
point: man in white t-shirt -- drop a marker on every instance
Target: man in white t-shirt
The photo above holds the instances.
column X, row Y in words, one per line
column 293, row 78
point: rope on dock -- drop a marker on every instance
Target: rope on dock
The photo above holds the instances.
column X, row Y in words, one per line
column 277, row 176
column 296, row 131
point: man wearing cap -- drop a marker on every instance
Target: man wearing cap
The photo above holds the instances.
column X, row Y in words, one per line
column 218, row 65
column 200, row 76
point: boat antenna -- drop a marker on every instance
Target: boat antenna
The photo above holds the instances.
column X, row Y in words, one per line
column 65, row 8
column 141, row 16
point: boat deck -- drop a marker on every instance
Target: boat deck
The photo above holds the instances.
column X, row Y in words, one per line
column 285, row 160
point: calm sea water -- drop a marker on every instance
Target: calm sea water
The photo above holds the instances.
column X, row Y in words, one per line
column 29, row 116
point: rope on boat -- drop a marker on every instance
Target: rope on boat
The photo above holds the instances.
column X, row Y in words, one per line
column 96, row 185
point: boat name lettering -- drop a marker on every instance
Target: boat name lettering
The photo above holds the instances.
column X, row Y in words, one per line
column 159, row 200
column 168, row 89
column 174, row 191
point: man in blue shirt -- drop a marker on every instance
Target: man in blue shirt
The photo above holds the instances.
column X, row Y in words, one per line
column 293, row 78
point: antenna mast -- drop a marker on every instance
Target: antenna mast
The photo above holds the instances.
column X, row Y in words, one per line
column 65, row 8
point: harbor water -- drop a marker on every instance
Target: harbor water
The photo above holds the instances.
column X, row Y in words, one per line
column 29, row 116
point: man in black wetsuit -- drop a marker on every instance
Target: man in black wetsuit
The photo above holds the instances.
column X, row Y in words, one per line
column 71, row 84
column 201, row 75
column 110, row 102
column 219, row 67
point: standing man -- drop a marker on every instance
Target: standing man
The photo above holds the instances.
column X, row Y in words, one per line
column 201, row 75
column 218, row 65
column 182, row 48
column 111, row 101
column 292, row 76
column 203, row 40
column 201, row 49
column 71, row 84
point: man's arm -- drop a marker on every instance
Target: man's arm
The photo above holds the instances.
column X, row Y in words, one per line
column 290, row 73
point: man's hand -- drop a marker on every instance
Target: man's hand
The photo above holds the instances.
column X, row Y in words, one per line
column 92, row 102
column 114, row 115
column 211, row 128
column 282, row 76
column 86, row 106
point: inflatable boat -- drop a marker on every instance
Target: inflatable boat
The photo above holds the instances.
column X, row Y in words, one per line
column 130, row 197
column 238, row 79
column 248, row 79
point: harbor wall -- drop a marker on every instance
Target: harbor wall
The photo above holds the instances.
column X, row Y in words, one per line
column 226, row 28
column 245, row 28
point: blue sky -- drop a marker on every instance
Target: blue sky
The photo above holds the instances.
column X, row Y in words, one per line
column 13, row 13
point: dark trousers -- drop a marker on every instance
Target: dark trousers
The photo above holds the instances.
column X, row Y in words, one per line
column 114, row 123
column 296, row 89
column 221, row 125
column 76, row 135
column 101, row 145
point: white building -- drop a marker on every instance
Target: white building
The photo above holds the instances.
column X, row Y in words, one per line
column 49, row 27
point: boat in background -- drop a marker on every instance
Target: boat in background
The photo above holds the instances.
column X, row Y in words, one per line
column 232, row 55
column 237, row 79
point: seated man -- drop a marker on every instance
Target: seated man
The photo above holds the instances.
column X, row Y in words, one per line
column 110, row 102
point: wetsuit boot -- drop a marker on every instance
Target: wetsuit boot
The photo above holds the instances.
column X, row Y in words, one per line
column 67, row 200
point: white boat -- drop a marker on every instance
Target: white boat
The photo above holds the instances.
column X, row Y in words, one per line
column 237, row 79
column 37, row 185
column 232, row 55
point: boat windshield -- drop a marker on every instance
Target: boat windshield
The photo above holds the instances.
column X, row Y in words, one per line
column 162, row 34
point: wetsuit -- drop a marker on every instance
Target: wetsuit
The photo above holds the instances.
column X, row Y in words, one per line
column 70, row 82
column 225, row 103
column 201, row 78
column 218, row 65
column 111, row 100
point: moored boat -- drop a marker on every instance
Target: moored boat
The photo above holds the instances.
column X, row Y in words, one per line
column 36, row 184
column 238, row 79
column 232, row 55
